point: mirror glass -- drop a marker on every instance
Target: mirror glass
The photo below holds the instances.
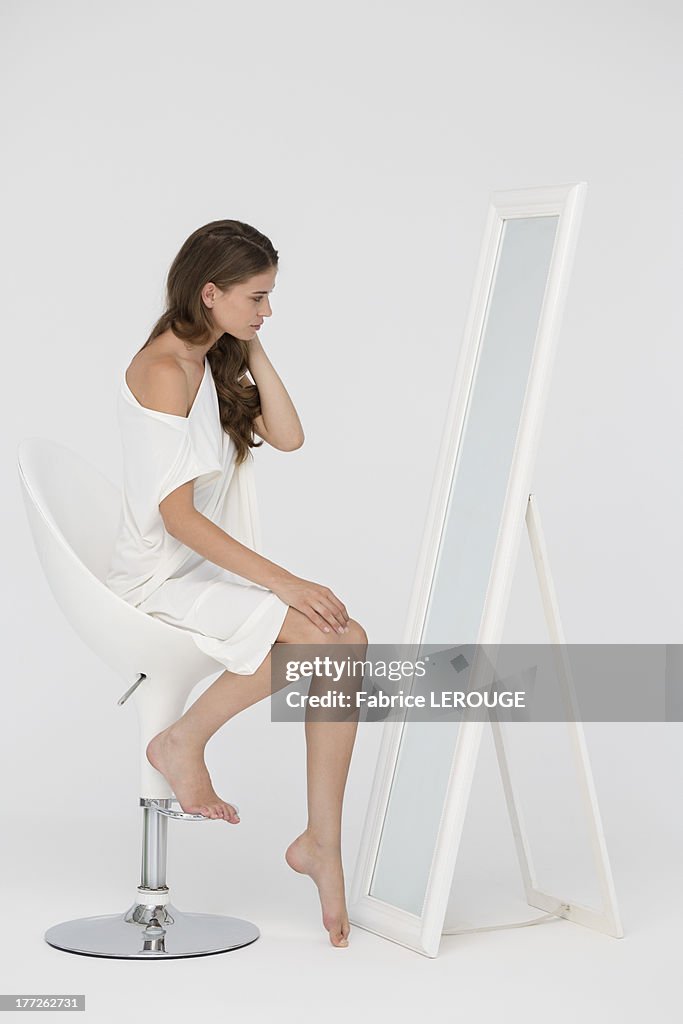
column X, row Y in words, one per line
column 466, row 546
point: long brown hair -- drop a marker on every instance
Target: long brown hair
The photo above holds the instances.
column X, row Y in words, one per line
column 226, row 252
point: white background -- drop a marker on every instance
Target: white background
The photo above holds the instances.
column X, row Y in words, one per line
column 364, row 139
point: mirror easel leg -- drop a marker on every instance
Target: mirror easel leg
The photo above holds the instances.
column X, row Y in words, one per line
column 607, row 918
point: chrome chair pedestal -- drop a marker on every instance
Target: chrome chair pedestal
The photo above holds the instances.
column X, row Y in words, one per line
column 161, row 933
column 152, row 928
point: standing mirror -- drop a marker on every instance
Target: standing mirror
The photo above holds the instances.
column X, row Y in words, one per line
column 475, row 521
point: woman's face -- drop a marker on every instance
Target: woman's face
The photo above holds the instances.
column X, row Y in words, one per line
column 243, row 307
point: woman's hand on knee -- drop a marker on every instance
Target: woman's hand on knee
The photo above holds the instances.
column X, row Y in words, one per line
column 316, row 602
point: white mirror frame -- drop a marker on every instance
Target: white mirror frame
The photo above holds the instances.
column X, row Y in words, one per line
column 422, row 933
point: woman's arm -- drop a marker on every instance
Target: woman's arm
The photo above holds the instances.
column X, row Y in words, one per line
column 278, row 424
column 318, row 603
column 195, row 530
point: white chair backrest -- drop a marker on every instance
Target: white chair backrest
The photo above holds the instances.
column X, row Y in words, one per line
column 73, row 512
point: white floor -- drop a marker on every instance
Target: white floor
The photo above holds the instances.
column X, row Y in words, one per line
column 55, row 870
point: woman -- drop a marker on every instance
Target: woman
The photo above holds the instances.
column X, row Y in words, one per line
column 188, row 415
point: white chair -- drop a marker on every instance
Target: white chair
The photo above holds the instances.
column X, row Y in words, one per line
column 73, row 514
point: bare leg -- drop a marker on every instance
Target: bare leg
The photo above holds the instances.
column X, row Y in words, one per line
column 178, row 751
column 317, row 851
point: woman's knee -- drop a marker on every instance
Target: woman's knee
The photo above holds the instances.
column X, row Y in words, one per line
column 297, row 628
column 356, row 633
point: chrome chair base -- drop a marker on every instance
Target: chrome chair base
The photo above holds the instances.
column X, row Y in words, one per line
column 152, row 929
column 147, row 932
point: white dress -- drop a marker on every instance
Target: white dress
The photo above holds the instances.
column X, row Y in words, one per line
column 229, row 617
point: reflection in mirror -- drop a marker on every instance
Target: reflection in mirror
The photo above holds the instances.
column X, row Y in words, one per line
column 466, row 547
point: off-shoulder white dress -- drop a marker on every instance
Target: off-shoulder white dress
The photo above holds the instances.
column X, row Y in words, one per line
column 229, row 617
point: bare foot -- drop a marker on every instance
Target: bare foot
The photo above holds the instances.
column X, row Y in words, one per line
column 323, row 864
column 186, row 773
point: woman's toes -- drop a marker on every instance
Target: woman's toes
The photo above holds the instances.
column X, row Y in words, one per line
column 220, row 811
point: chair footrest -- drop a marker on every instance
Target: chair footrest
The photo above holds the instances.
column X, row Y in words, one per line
column 158, row 806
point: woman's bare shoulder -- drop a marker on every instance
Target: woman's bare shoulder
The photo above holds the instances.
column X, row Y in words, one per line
column 158, row 381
